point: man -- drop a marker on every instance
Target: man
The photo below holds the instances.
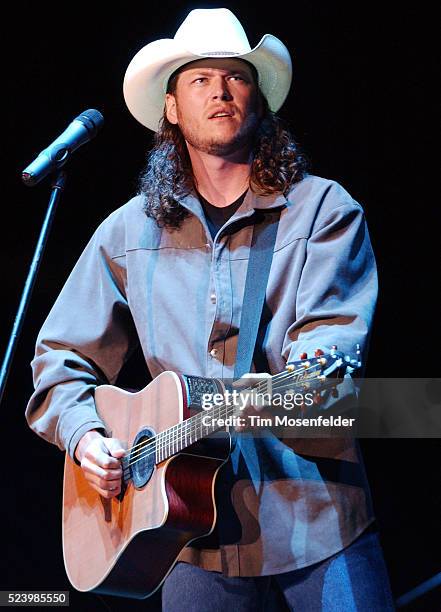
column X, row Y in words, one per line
column 168, row 270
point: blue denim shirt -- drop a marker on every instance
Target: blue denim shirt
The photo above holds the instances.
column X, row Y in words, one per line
column 295, row 501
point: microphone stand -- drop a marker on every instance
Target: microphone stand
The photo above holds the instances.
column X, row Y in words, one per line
column 57, row 187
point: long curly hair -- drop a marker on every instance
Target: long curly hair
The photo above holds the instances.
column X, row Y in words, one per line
column 277, row 165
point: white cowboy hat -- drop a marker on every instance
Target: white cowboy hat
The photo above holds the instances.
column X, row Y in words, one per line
column 204, row 33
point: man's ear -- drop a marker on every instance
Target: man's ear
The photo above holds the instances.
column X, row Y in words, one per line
column 170, row 105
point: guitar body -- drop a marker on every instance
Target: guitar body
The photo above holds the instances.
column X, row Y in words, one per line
column 127, row 545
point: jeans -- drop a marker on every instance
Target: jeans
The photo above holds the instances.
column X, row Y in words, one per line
column 353, row 580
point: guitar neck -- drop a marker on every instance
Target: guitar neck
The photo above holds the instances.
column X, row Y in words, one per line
column 177, row 438
column 308, row 375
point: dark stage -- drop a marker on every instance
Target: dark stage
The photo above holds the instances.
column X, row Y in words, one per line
column 360, row 109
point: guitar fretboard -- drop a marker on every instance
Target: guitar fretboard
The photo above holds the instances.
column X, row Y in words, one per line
column 199, row 426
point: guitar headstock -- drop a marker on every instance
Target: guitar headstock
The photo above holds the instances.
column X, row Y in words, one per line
column 318, row 374
column 323, row 372
column 323, row 365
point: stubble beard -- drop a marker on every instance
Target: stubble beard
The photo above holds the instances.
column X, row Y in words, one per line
column 243, row 138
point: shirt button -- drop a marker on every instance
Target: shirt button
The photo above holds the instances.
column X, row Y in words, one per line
column 213, row 352
column 213, row 298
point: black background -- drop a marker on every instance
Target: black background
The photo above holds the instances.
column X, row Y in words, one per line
column 360, row 107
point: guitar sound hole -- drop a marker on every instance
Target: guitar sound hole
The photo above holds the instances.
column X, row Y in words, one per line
column 142, row 457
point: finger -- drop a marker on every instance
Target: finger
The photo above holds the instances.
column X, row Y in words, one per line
column 92, row 467
column 100, row 454
column 114, row 447
column 101, row 483
column 256, row 375
column 257, row 397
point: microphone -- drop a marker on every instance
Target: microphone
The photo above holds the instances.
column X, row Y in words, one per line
column 82, row 129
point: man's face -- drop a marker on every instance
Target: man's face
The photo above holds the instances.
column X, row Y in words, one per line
column 216, row 105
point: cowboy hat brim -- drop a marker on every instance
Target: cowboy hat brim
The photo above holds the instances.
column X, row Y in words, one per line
column 147, row 76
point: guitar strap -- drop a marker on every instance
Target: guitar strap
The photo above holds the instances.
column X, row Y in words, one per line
column 259, row 264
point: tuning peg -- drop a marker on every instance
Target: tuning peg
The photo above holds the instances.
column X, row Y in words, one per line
column 358, row 353
column 303, row 355
column 290, row 367
column 322, row 360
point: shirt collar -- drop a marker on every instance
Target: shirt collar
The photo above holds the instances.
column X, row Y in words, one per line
column 252, row 201
column 263, row 202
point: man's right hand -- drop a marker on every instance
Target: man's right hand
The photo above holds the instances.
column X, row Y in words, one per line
column 99, row 458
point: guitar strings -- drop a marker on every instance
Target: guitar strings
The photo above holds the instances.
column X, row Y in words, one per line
column 181, row 431
column 173, row 435
column 277, row 377
column 281, row 376
column 169, row 437
column 187, row 428
column 173, row 438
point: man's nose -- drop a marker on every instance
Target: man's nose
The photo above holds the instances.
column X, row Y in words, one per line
column 221, row 90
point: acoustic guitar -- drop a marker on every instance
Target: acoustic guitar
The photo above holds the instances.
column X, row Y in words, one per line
column 127, row 545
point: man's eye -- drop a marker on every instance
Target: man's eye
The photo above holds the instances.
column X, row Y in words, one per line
column 200, row 79
column 236, row 77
